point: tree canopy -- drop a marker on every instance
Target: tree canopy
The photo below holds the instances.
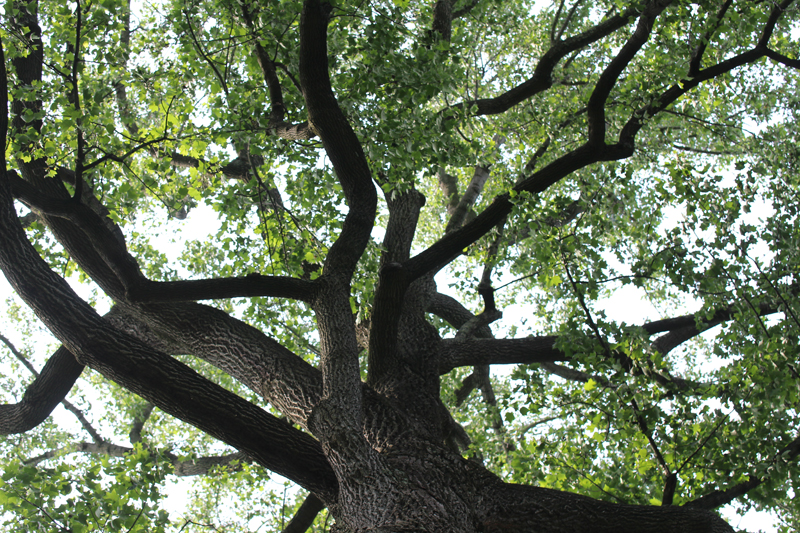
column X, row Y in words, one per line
column 430, row 226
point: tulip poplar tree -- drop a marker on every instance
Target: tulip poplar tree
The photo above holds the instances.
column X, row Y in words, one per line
column 380, row 180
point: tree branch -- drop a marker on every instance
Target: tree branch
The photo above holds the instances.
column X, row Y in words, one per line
column 151, row 374
column 391, row 290
column 281, row 377
column 278, row 108
column 722, row 497
column 443, row 19
column 541, row 79
column 48, row 389
column 339, row 347
column 467, row 200
column 137, row 287
column 782, row 59
column 452, row 245
column 455, row 353
column 451, row 310
column 509, row 507
column 465, row 10
column 697, row 56
column 596, row 108
column 223, row 288
column 75, row 100
column 182, row 468
column 202, row 53
column 339, row 140
column 305, row 515
column 671, row 94
column 139, row 420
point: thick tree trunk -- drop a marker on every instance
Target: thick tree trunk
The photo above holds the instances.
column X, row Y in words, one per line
column 435, row 490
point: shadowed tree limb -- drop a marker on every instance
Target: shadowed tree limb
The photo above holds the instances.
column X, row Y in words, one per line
column 519, row 508
column 782, row 59
column 305, row 515
column 340, row 142
column 49, row 388
column 339, row 347
column 596, row 107
column 390, row 293
column 137, row 287
column 697, row 57
column 457, row 353
column 135, row 434
column 443, row 19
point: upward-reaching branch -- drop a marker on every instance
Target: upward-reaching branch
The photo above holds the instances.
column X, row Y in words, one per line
column 596, row 108
column 342, row 413
column 339, row 140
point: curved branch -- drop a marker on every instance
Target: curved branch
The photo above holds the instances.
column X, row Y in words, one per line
column 100, row 448
column 449, row 247
column 278, row 108
column 49, row 388
column 339, row 140
column 449, row 309
column 339, row 361
column 305, row 516
column 202, row 53
column 458, row 13
column 681, row 329
column 596, row 108
column 541, row 79
column 203, row 465
column 697, row 55
column 281, row 371
column 724, row 496
column 782, row 59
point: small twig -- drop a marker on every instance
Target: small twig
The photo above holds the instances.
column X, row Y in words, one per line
column 203, row 54
column 76, row 102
